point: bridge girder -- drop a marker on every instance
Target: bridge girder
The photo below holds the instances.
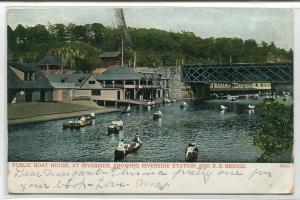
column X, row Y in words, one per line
column 238, row 73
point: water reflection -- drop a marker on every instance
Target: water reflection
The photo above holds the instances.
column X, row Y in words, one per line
column 251, row 111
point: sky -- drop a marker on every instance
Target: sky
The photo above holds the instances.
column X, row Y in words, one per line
column 261, row 24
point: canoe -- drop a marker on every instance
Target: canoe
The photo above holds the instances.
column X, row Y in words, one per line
column 133, row 147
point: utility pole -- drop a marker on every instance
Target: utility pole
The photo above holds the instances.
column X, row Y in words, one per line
column 122, row 51
column 134, row 59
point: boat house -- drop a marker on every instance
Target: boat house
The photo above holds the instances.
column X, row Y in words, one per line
column 123, row 83
column 52, row 63
column 74, row 86
column 27, row 83
column 109, row 59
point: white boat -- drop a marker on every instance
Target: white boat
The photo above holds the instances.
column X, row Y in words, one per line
column 167, row 101
column 251, row 107
column 183, row 104
column 231, row 98
column 150, row 103
column 222, row 107
column 157, row 115
column 115, row 127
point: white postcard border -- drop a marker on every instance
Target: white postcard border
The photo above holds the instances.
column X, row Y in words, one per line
column 296, row 83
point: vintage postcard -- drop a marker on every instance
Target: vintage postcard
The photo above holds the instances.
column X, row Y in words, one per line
column 150, row 100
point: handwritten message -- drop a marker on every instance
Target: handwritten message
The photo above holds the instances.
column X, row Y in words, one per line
column 48, row 177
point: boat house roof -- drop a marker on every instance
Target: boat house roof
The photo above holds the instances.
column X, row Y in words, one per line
column 50, row 60
column 119, row 72
column 77, row 78
column 14, row 82
column 110, row 54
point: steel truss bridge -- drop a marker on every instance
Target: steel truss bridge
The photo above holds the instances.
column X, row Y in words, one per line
column 238, row 73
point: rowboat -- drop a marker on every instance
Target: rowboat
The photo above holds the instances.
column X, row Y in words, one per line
column 183, row 104
column 157, row 115
column 251, row 107
column 191, row 154
column 115, row 127
column 120, row 154
column 77, row 124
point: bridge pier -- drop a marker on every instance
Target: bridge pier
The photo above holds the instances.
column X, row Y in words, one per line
column 200, row 90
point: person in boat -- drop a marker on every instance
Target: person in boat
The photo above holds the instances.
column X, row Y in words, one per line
column 128, row 108
column 136, row 139
column 191, row 148
column 121, row 145
column 82, row 120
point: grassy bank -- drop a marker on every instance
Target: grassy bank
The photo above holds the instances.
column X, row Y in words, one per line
column 44, row 111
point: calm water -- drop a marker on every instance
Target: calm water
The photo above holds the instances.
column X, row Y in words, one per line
column 220, row 136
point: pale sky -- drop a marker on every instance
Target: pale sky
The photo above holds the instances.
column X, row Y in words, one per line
column 247, row 23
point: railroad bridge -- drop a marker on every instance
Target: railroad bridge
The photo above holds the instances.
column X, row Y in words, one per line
column 199, row 76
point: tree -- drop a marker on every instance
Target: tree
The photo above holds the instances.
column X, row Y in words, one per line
column 84, row 65
column 58, row 31
column 276, row 130
column 151, row 45
column 11, row 40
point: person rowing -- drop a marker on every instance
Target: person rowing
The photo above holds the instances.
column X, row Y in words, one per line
column 136, row 139
column 122, row 146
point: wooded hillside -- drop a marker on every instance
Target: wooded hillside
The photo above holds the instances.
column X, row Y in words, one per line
column 80, row 45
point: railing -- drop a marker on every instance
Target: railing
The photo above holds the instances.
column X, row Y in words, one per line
column 241, row 73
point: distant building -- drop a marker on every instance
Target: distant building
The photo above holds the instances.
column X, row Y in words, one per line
column 239, row 88
column 26, row 83
column 109, row 59
column 52, row 63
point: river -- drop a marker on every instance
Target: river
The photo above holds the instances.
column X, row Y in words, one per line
column 220, row 136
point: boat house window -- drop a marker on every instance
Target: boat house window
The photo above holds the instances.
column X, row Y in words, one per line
column 96, row 92
column 92, row 82
column 29, row 76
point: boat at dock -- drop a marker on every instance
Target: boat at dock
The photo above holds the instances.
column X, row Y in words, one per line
column 231, row 99
column 167, row 101
column 127, row 110
column 150, row 103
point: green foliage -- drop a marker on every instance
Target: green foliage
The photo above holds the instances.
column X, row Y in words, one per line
column 153, row 47
column 276, row 130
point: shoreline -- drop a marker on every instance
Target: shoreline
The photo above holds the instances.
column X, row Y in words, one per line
column 52, row 117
